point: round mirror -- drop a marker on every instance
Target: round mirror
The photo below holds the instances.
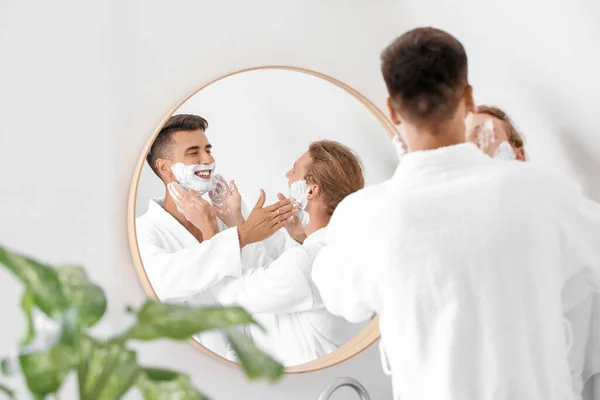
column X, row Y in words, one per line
column 231, row 199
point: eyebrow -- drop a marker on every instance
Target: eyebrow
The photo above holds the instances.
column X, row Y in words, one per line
column 208, row 146
column 193, row 148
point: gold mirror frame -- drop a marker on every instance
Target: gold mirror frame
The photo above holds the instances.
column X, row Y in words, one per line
column 360, row 342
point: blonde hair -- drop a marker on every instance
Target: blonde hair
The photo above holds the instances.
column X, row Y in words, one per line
column 336, row 169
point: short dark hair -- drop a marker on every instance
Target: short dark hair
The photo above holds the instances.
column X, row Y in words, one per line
column 164, row 140
column 425, row 71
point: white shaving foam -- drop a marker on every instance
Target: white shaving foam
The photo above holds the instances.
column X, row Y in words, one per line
column 485, row 134
column 219, row 194
column 505, row 152
column 187, row 178
column 220, row 190
column 299, row 191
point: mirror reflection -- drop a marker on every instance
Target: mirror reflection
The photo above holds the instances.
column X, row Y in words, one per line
column 234, row 202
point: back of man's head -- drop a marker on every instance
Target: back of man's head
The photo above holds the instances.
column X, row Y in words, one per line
column 425, row 71
column 337, row 170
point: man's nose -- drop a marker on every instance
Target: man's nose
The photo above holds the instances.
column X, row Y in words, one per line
column 207, row 159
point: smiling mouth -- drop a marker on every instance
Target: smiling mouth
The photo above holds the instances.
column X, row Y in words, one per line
column 206, row 174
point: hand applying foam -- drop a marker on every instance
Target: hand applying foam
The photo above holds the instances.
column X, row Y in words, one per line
column 263, row 222
column 195, row 209
column 227, row 201
column 294, row 226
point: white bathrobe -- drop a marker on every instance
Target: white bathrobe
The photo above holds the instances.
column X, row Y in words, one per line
column 464, row 258
column 183, row 270
column 299, row 327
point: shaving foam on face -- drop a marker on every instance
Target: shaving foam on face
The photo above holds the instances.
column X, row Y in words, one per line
column 187, row 178
column 485, row 134
column 505, row 152
column 299, row 191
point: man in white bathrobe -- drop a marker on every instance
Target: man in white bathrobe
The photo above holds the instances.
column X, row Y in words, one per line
column 184, row 261
column 463, row 257
column 582, row 304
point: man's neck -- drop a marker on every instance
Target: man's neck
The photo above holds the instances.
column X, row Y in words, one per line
column 429, row 138
column 170, row 207
column 318, row 220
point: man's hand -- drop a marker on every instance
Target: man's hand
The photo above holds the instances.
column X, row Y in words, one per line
column 227, row 201
column 294, row 226
column 195, row 209
column 264, row 222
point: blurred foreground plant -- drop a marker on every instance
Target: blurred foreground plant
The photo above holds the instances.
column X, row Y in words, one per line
column 61, row 304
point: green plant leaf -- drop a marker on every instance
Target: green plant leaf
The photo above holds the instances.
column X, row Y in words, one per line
column 5, row 367
column 39, row 279
column 87, row 298
column 255, row 362
column 158, row 320
column 160, row 384
column 46, row 360
column 45, row 371
column 27, row 304
column 106, row 371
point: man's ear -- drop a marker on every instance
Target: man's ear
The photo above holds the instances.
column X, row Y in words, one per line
column 393, row 113
column 313, row 191
column 164, row 170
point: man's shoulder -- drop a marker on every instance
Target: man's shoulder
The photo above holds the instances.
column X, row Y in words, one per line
column 536, row 176
column 364, row 196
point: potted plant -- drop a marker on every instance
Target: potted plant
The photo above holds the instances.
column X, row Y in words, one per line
column 61, row 305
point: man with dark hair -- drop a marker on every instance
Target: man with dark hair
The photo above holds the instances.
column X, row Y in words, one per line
column 462, row 256
column 184, row 261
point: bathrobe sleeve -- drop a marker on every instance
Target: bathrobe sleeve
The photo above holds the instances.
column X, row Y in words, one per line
column 580, row 218
column 281, row 288
column 175, row 274
column 279, row 243
column 341, row 272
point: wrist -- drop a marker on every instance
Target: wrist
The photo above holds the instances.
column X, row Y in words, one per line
column 240, row 219
column 210, row 229
column 243, row 236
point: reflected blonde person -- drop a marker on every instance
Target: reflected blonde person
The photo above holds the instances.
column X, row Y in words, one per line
column 504, row 128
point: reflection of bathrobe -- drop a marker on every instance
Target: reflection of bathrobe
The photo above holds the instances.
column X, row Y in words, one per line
column 464, row 258
column 582, row 305
column 299, row 328
column 183, row 270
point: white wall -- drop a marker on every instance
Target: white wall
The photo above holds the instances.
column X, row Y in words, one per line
column 83, row 84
